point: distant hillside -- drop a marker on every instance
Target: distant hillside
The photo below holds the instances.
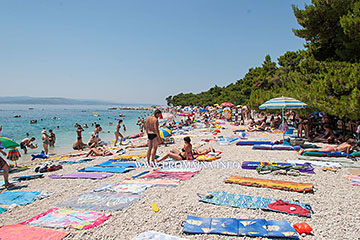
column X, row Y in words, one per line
column 52, row 101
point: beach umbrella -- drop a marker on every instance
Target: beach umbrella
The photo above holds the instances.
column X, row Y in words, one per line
column 187, row 114
column 226, row 109
column 204, row 110
column 13, row 154
column 227, row 104
column 8, row 143
column 188, row 109
column 283, row 103
column 164, row 132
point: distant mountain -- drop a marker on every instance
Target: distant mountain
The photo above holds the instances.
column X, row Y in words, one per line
column 52, row 101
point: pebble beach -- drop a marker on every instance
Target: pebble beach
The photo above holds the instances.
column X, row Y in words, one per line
column 335, row 202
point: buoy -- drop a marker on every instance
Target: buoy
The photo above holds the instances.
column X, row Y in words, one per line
column 154, row 207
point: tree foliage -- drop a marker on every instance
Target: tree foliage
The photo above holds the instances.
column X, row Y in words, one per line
column 325, row 76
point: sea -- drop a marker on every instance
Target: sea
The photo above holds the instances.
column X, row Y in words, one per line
column 61, row 119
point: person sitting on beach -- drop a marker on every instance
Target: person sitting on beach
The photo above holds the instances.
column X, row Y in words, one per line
column 27, row 142
column 346, row 147
column 177, row 155
column 93, row 142
column 251, row 125
column 262, row 127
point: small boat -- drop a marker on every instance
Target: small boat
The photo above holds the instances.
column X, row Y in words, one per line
column 112, row 108
column 31, row 108
column 17, row 116
column 122, row 115
column 33, row 121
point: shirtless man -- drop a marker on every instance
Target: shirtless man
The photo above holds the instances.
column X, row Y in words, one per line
column 26, row 142
column 152, row 130
column 118, row 134
column 79, row 145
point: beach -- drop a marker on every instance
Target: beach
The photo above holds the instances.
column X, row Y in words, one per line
column 334, row 201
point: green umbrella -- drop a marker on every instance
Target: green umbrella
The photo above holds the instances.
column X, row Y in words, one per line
column 8, row 143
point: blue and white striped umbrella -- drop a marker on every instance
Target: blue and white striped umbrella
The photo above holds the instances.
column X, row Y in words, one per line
column 283, row 103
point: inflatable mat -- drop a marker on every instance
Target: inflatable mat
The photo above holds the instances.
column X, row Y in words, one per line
column 326, row 154
column 240, row 227
column 266, row 183
column 255, row 202
column 104, row 169
column 250, row 143
column 28, row 177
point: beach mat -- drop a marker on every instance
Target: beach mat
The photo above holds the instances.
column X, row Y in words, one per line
column 315, row 163
column 254, row 202
column 305, row 168
column 2, row 210
column 326, row 154
column 278, row 147
column 77, row 161
column 354, row 171
column 355, row 179
column 23, row 232
column 155, row 182
column 240, row 227
column 28, row 177
column 170, row 175
column 104, row 169
column 118, row 164
column 326, row 159
column 156, row 236
column 266, row 183
column 101, row 201
column 18, row 197
column 64, row 218
column 123, row 187
column 82, row 175
column 250, row 143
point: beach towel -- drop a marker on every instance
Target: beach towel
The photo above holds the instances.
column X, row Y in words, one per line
column 77, row 161
column 129, row 157
column 315, row 163
column 2, row 210
column 252, row 202
column 250, row 143
column 101, row 201
column 326, row 154
column 23, row 232
column 240, row 227
column 305, row 168
column 355, row 180
column 326, row 159
column 170, row 175
column 123, row 187
column 266, row 183
column 18, row 197
column 227, row 140
column 64, row 218
column 28, row 177
column 278, row 147
column 156, row 236
column 118, row 164
column 208, row 157
column 155, row 182
column 354, row 171
column 82, row 175
column 104, row 169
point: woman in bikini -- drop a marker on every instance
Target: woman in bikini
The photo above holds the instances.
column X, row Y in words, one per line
column 177, row 155
column 347, row 147
column 45, row 141
column 117, row 133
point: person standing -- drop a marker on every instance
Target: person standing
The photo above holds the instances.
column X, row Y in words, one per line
column 152, row 130
column 5, row 167
column 52, row 138
column 79, row 145
column 117, row 133
column 45, row 141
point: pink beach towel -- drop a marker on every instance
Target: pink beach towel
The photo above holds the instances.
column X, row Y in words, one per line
column 170, row 175
column 22, row 232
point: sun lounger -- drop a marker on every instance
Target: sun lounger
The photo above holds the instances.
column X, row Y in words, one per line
column 240, row 227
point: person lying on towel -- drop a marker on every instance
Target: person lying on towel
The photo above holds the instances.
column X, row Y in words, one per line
column 347, row 147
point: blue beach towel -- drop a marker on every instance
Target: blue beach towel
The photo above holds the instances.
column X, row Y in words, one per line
column 240, row 227
column 250, row 143
column 2, row 210
column 105, row 169
column 117, row 164
column 18, row 198
column 28, row 177
column 245, row 201
column 77, row 161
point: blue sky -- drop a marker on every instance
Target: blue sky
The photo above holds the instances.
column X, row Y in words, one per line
column 137, row 51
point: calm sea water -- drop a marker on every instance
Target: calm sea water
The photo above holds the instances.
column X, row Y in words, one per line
column 63, row 127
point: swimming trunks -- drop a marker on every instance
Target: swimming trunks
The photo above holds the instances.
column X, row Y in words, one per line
column 151, row 136
column 2, row 162
column 22, row 145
